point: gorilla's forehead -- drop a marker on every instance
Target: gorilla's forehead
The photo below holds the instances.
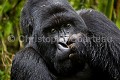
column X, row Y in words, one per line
column 52, row 12
column 56, row 15
column 41, row 3
column 46, row 8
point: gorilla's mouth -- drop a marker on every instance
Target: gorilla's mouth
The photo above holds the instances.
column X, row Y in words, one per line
column 67, row 59
column 66, row 51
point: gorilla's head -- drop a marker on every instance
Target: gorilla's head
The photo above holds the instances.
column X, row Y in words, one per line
column 57, row 30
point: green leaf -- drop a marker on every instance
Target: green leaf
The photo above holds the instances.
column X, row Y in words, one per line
column 6, row 7
column 8, row 28
column 0, row 10
column 0, row 28
column 118, row 23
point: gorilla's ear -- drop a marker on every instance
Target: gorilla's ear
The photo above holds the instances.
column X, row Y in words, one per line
column 26, row 22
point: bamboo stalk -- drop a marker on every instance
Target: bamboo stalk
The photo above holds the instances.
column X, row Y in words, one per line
column 118, row 14
column 109, row 8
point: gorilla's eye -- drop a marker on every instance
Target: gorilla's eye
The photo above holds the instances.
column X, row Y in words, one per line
column 68, row 25
column 53, row 30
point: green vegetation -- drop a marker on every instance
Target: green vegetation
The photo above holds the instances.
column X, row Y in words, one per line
column 10, row 28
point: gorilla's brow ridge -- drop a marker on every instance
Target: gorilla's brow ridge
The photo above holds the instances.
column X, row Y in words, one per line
column 58, row 19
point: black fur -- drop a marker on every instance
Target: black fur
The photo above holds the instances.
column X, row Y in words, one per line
column 83, row 46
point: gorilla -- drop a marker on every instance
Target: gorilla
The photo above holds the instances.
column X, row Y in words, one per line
column 63, row 44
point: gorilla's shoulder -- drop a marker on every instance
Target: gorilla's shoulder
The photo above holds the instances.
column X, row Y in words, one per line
column 98, row 23
column 28, row 51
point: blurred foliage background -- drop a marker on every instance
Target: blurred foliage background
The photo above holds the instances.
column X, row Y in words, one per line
column 10, row 31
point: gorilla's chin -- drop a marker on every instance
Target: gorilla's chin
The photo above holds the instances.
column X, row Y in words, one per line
column 68, row 67
column 67, row 61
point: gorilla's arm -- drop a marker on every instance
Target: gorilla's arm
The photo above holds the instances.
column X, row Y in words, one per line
column 103, row 55
column 28, row 65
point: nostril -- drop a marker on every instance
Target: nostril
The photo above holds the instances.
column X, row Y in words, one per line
column 63, row 44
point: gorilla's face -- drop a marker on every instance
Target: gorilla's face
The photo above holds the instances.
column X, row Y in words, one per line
column 58, row 28
column 62, row 38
